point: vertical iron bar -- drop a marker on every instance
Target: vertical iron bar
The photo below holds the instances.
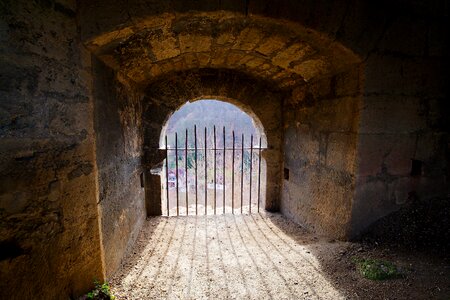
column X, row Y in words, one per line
column 167, row 177
column 259, row 172
column 215, row 170
column 242, row 172
column 223, row 180
column 186, row 172
column 251, row 168
column 232, row 179
column 176, row 166
column 195, row 146
column 206, row 176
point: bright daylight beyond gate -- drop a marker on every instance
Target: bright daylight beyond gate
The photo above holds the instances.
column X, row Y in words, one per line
column 213, row 161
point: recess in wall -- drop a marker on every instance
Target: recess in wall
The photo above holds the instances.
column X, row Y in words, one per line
column 416, row 167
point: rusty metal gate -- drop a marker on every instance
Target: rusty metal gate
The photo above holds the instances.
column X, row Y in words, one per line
column 197, row 169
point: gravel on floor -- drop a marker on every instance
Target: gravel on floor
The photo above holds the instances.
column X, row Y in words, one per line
column 223, row 257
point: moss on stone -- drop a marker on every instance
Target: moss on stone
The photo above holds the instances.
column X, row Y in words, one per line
column 375, row 269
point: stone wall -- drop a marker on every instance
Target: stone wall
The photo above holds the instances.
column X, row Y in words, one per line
column 401, row 150
column 49, row 228
column 400, row 45
column 118, row 129
column 284, row 53
column 404, row 119
column 351, row 158
column 321, row 122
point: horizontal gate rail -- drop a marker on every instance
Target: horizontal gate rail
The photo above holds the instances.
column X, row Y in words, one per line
column 176, row 156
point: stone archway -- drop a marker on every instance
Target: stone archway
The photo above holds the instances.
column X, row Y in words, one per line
column 238, row 104
column 69, row 227
column 273, row 67
column 283, row 52
column 253, row 96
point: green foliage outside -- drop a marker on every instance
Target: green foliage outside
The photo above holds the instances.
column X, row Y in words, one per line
column 374, row 269
column 201, row 158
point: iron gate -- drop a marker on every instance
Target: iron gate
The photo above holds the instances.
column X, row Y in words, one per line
column 187, row 168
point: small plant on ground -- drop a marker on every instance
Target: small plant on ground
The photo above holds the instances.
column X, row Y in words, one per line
column 375, row 269
column 100, row 292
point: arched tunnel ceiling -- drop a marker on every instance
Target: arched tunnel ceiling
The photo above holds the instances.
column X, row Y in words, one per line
column 281, row 52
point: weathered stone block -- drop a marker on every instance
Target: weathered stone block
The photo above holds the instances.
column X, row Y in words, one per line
column 412, row 44
column 255, row 62
column 310, row 199
column 293, row 53
column 194, row 43
column 349, row 83
column 391, row 114
column 338, row 115
column 225, row 38
column 218, row 57
column 399, row 150
column 392, row 75
column 248, row 39
column 320, row 89
column 270, row 45
column 164, row 48
column 14, row 203
column 403, row 190
column 371, row 201
column 203, row 59
column 429, row 146
column 385, row 153
column 311, row 68
column 235, row 58
column 341, row 152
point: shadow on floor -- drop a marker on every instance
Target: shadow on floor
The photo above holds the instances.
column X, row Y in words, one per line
column 258, row 256
column 426, row 273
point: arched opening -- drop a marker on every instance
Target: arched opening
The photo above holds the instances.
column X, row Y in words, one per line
column 213, row 161
column 252, row 96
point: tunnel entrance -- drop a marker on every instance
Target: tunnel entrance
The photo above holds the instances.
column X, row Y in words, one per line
column 213, row 161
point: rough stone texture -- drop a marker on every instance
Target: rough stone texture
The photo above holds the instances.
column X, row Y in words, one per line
column 231, row 40
column 118, row 129
column 348, row 142
column 329, row 17
column 256, row 98
column 404, row 117
column 229, row 256
column 320, row 152
column 49, row 233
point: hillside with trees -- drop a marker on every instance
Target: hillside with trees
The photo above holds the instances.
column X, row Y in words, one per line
column 210, row 113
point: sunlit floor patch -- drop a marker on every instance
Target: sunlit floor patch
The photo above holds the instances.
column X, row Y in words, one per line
column 223, row 257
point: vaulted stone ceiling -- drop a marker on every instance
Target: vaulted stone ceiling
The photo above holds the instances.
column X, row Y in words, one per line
column 279, row 51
